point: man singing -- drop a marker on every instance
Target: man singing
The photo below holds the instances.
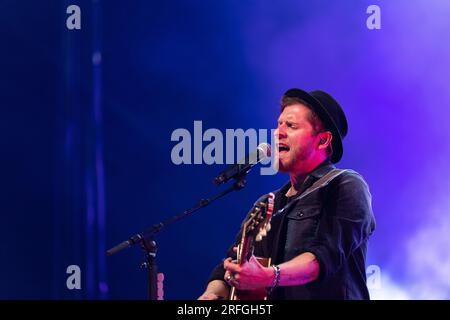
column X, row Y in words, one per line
column 322, row 217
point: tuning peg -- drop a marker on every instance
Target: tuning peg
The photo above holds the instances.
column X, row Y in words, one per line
column 258, row 237
column 263, row 232
column 268, row 226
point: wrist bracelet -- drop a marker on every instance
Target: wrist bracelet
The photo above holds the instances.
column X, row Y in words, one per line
column 276, row 279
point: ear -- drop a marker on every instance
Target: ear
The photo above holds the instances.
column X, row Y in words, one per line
column 324, row 139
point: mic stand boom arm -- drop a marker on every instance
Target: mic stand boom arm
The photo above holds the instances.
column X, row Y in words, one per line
column 148, row 244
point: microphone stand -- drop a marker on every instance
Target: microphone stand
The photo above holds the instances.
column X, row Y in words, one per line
column 148, row 243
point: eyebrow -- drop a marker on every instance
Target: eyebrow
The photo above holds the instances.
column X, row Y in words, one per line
column 289, row 119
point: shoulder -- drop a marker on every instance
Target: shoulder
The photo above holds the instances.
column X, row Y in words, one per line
column 351, row 182
column 352, row 198
column 349, row 176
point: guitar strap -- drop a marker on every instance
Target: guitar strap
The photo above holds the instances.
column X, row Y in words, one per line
column 322, row 182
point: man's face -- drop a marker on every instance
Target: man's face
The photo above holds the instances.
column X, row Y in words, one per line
column 296, row 140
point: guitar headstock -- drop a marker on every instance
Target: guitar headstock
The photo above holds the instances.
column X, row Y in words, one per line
column 258, row 223
column 266, row 224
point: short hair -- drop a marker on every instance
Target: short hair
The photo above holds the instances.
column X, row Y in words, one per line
column 314, row 120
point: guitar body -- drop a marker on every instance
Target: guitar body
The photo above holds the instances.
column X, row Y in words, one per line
column 254, row 229
column 258, row 294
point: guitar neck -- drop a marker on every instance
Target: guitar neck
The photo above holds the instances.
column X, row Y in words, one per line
column 244, row 250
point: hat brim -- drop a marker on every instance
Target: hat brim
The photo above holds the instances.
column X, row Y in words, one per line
column 319, row 109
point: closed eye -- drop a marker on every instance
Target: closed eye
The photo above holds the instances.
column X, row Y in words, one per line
column 288, row 124
column 291, row 125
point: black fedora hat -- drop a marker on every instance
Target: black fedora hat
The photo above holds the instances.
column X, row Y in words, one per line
column 331, row 114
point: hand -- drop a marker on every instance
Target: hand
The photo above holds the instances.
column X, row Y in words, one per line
column 216, row 290
column 210, row 296
column 248, row 276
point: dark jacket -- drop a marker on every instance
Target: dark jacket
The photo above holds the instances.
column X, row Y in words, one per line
column 334, row 223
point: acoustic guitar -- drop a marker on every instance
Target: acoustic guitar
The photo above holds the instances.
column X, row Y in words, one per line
column 254, row 229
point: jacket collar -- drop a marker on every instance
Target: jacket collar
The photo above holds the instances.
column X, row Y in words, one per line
column 321, row 170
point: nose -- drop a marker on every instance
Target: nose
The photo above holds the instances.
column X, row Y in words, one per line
column 280, row 131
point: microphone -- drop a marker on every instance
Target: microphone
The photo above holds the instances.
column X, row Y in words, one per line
column 244, row 165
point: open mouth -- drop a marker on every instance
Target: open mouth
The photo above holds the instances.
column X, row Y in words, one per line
column 283, row 148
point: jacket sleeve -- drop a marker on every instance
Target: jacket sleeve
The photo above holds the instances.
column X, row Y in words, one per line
column 347, row 223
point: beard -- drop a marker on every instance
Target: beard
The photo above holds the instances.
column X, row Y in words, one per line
column 290, row 161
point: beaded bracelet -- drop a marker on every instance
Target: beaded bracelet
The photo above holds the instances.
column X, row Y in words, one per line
column 276, row 280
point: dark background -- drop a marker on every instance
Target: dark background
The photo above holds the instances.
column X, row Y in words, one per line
column 87, row 117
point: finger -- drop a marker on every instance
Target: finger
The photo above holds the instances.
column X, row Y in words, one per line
column 229, row 278
column 232, row 267
column 235, row 249
column 227, row 260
